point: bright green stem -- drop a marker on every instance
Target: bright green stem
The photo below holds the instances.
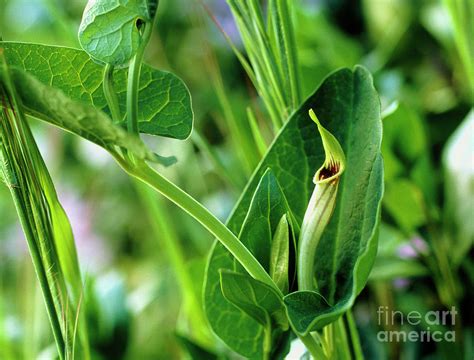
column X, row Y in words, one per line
column 354, row 336
column 110, row 94
column 267, row 342
column 204, row 216
column 317, row 216
column 342, row 344
column 134, row 81
column 313, row 347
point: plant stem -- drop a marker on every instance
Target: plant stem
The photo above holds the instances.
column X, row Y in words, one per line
column 312, row 346
column 354, row 336
column 110, row 94
column 342, row 344
column 186, row 202
column 134, row 80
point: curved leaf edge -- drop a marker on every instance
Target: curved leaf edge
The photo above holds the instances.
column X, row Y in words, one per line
column 142, row 124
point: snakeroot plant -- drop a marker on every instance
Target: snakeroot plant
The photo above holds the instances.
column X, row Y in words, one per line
column 300, row 243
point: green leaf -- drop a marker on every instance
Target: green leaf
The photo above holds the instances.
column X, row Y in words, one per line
column 266, row 210
column 110, row 29
column 268, row 205
column 280, row 255
column 348, row 107
column 164, row 101
column 255, row 298
column 50, row 104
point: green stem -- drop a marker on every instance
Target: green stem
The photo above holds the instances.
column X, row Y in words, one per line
column 313, row 347
column 186, row 202
column 267, row 342
column 134, row 80
column 354, row 336
column 110, row 94
column 342, row 344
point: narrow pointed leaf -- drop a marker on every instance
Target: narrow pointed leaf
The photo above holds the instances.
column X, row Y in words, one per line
column 280, row 255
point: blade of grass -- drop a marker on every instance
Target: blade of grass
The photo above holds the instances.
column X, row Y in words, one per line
column 257, row 134
column 45, row 224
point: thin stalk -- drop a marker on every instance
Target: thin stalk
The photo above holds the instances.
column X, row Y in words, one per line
column 190, row 205
column 290, row 52
column 342, row 344
column 110, row 94
column 356, row 347
column 312, row 346
column 134, row 80
column 267, row 341
column 256, row 133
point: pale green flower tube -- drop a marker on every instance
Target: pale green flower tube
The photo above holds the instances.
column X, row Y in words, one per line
column 320, row 207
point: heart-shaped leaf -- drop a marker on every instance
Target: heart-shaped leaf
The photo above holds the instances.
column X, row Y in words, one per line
column 348, row 107
column 164, row 100
column 51, row 105
column 110, row 29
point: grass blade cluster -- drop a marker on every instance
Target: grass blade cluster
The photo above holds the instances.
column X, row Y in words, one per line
column 44, row 222
column 272, row 58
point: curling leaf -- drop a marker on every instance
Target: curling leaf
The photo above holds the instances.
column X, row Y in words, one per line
column 110, row 29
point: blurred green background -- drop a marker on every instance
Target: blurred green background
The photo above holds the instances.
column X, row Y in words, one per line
column 426, row 93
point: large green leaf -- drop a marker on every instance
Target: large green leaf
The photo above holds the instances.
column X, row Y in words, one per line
column 110, row 29
column 50, row 104
column 164, row 101
column 347, row 106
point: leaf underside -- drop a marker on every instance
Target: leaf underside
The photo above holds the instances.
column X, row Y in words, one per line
column 51, row 105
column 109, row 30
column 164, row 100
column 348, row 106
